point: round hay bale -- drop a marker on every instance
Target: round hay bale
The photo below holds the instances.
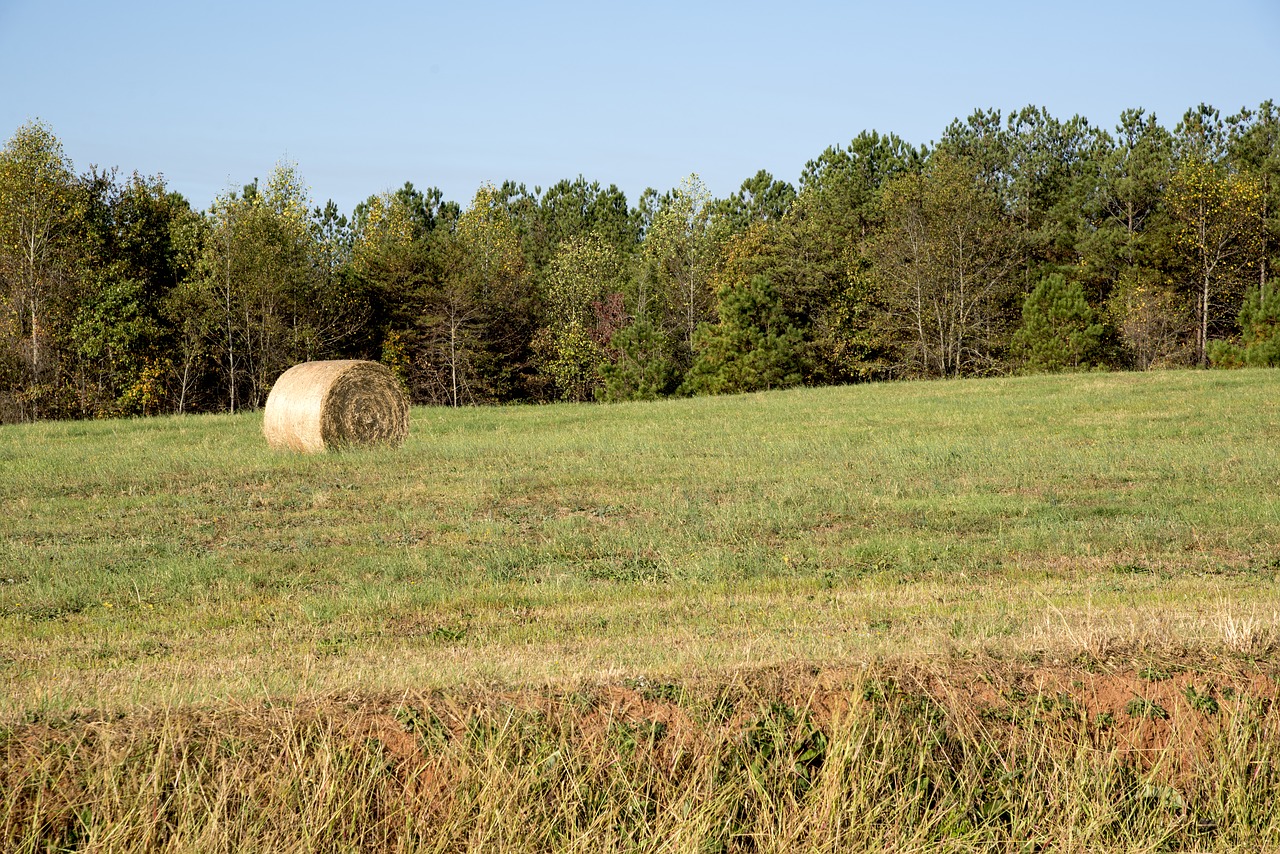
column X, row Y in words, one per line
column 320, row 406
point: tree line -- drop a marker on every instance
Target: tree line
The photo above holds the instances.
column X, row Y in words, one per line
column 1015, row 243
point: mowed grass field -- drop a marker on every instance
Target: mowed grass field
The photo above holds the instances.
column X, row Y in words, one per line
column 180, row 560
column 1098, row 523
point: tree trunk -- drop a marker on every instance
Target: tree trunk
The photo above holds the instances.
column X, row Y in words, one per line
column 35, row 359
column 1262, row 255
column 35, row 343
column 185, row 382
column 1204, row 324
column 453, row 356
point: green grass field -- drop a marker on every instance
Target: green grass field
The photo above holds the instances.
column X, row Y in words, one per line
column 1100, row 523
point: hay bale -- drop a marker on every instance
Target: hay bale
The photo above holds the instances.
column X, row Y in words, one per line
column 319, row 406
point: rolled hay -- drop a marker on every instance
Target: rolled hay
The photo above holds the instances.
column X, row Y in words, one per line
column 343, row 403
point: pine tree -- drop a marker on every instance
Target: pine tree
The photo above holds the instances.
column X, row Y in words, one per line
column 1059, row 329
column 645, row 368
column 754, row 347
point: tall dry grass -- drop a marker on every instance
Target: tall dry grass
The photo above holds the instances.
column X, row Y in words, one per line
column 894, row 761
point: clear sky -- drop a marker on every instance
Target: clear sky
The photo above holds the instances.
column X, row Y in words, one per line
column 364, row 96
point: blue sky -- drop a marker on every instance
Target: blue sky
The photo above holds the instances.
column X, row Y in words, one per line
column 366, row 96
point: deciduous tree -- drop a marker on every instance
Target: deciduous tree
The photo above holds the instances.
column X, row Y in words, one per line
column 945, row 262
column 41, row 232
column 1254, row 147
column 1219, row 228
column 585, row 272
column 260, row 268
column 680, row 250
column 479, row 310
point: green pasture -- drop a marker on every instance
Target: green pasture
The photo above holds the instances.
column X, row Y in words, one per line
column 180, row 560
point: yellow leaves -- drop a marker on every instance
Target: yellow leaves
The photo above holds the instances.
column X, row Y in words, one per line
column 1218, row 215
column 583, row 270
column 384, row 226
column 286, row 193
column 487, row 231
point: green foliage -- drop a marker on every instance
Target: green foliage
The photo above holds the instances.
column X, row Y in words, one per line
column 575, row 363
column 1260, row 329
column 573, row 209
column 42, row 210
column 1140, row 707
column 818, row 255
column 753, row 347
column 396, row 357
column 1201, row 136
column 149, row 390
column 884, row 260
column 679, row 257
column 1204, row 701
column 584, row 271
column 1058, row 330
column 1259, row 343
column 190, row 314
column 1219, row 234
column 274, row 305
column 644, row 368
column 1125, row 205
column 114, row 333
column 1041, row 169
column 474, row 309
column 382, row 241
column 1254, row 146
column 427, row 210
column 841, row 187
column 761, row 198
column 946, row 263
column 847, row 342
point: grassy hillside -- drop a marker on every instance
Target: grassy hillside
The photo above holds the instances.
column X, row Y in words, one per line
column 179, row 559
column 1033, row 613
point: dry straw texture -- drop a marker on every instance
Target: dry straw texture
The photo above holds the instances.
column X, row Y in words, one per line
column 319, row 406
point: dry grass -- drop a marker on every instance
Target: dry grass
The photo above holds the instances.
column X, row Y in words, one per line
column 991, row 757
